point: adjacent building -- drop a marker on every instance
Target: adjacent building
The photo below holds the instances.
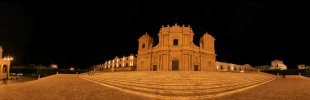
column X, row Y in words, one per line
column 223, row 66
column 303, row 66
column 125, row 63
column 278, row 64
column 4, row 65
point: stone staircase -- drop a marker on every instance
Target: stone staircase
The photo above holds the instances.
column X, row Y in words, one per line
column 180, row 84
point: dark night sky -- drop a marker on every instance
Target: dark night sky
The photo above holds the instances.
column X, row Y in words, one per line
column 82, row 34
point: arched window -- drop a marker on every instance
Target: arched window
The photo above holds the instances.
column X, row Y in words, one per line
column 175, row 41
column 143, row 45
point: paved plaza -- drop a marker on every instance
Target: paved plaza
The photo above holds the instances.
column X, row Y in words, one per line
column 63, row 87
column 289, row 88
column 73, row 87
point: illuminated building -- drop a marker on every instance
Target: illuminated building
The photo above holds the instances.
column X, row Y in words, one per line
column 4, row 65
column 175, row 51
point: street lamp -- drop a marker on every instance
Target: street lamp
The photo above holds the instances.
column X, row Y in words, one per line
column 8, row 58
column 71, row 68
column 54, row 66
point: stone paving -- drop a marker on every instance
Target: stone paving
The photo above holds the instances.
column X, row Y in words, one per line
column 289, row 88
column 20, row 79
column 63, row 87
column 72, row 87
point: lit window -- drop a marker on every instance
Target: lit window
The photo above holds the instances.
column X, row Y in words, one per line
column 131, row 63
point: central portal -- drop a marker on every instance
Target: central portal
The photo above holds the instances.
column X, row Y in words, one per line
column 175, row 65
column 154, row 67
column 195, row 67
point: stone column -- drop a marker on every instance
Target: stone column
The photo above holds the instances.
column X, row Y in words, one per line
column 8, row 69
column 1, row 70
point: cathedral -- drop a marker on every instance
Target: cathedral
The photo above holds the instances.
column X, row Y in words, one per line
column 176, row 51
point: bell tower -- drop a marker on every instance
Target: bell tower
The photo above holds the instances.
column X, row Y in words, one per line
column 144, row 56
column 208, row 56
column 207, row 42
column 145, row 42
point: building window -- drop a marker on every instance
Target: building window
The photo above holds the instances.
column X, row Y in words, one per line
column 143, row 45
column 175, row 41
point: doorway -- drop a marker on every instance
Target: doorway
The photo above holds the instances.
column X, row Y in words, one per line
column 154, row 67
column 175, row 65
column 195, row 67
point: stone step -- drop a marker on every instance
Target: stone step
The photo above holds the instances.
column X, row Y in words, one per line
column 171, row 77
column 216, row 79
column 180, row 85
column 207, row 83
column 181, row 82
column 178, row 92
column 174, row 84
column 171, row 87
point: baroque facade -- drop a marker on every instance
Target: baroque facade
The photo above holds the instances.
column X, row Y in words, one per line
column 176, row 51
column 4, row 65
column 278, row 64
